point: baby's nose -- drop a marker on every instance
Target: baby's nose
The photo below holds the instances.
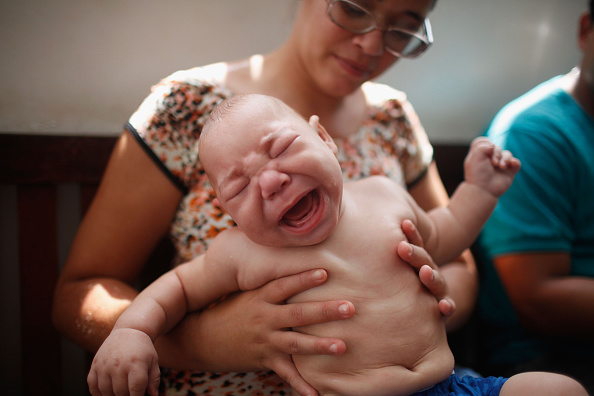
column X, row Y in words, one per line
column 272, row 182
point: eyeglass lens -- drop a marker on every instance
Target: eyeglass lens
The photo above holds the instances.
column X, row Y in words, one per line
column 352, row 17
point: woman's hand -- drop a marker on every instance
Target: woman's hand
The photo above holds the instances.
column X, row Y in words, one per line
column 413, row 253
column 249, row 331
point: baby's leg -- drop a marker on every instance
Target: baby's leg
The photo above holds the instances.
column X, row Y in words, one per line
column 543, row 384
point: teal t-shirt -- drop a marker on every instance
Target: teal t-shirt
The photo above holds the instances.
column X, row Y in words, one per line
column 549, row 207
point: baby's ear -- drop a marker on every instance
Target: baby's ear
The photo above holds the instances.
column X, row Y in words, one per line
column 314, row 121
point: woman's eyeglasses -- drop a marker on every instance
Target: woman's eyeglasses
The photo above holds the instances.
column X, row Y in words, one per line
column 397, row 41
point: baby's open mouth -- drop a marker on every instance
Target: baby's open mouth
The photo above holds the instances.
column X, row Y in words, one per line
column 303, row 210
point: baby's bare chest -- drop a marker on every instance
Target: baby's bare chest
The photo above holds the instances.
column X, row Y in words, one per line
column 361, row 255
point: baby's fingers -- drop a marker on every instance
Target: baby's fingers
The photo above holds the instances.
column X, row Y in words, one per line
column 100, row 382
column 105, row 386
column 154, row 378
column 125, row 383
column 93, row 382
column 508, row 161
column 497, row 157
column 135, row 385
column 142, row 378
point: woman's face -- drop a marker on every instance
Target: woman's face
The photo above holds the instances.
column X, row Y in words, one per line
column 339, row 61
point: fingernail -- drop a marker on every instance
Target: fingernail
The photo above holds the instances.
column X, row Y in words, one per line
column 318, row 275
column 333, row 348
column 343, row 308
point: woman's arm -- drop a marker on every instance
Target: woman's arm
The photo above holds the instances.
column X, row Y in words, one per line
column 131, row 211
column 456, row 280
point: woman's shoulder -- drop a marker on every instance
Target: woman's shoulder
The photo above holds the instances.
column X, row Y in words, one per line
column 183, row 96
column 386, row 104
column 226, row 77
column 210, row 76
column 382, row 95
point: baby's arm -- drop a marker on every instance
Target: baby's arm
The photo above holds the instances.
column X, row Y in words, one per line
column 489, row 172
column 127, row 361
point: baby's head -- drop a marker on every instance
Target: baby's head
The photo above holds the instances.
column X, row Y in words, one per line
column 275, row 173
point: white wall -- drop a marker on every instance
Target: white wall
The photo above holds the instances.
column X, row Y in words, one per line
column 71, row 67
column 486, row 53
column 83, row 66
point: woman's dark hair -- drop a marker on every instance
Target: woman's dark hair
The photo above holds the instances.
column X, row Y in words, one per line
column 592, row 10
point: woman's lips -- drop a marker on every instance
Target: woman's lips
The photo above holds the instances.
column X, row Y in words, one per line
column 353, row 68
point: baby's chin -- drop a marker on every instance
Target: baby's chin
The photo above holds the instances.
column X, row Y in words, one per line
column 282, row 238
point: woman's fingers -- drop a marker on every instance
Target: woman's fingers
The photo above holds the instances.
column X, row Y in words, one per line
column 245, row 348
column 429, row 272
column 415, row 256
column 293, row 315
column 281, row 289
column 309, row 313
column 294, row 343
column 434, row 281
column 288, row 372
column 302, row 314
column 412, row 233
column 447, row 307
column 418, row 258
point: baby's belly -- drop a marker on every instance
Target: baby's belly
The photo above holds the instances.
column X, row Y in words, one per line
column 396, row 342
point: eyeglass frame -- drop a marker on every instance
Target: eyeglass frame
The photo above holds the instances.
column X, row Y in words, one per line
column 427, row 38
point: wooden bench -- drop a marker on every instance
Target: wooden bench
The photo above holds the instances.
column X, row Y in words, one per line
column 47, row 183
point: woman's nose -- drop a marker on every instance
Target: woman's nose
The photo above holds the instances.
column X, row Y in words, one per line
column 372, row 43
column 272, row 182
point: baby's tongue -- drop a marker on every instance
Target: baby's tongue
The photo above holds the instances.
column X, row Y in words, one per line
column 298, row 213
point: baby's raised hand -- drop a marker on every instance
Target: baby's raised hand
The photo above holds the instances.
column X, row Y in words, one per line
column 490, row 167
column 126, row 364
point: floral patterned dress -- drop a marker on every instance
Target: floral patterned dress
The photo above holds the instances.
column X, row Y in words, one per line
column 167, row 124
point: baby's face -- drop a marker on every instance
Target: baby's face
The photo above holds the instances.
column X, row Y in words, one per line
column 276, row 177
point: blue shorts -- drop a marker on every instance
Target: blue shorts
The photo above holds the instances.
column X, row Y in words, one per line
column 465, row 386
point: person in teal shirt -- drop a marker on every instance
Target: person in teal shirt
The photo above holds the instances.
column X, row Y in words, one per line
column 537, row 250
